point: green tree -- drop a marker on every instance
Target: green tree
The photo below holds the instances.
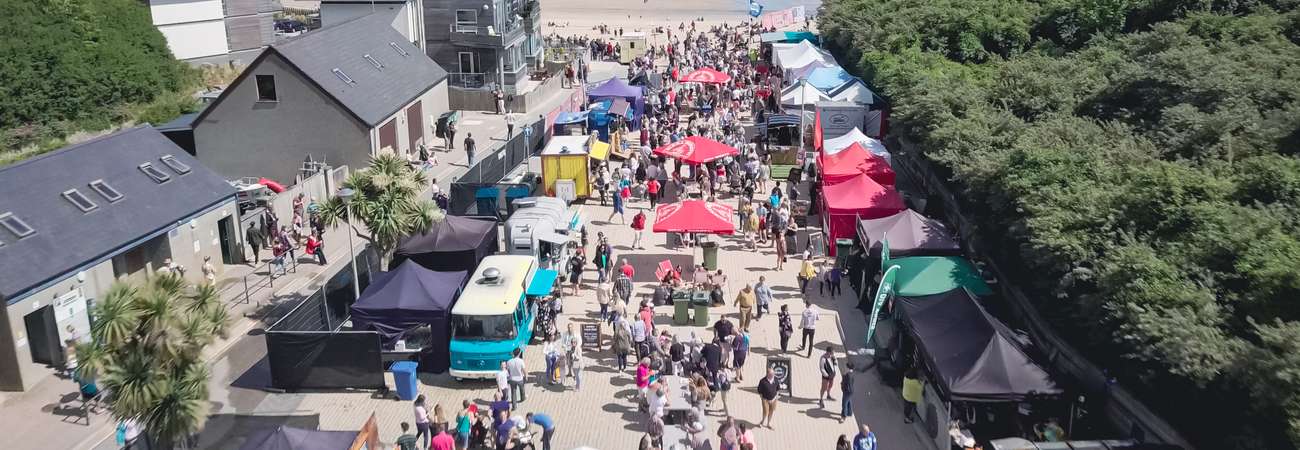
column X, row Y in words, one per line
column 146, row 349
column 387, row 201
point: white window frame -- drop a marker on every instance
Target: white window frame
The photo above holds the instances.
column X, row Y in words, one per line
column 473, row 59
column 466, row 26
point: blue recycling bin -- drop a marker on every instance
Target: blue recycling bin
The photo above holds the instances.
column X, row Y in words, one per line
column 404, row 377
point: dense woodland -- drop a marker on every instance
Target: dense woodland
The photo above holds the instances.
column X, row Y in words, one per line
column 1140, row 158
column 83, row 65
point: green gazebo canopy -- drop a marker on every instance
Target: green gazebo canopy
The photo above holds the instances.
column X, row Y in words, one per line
column 929, row 275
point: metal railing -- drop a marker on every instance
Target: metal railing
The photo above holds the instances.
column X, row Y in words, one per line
column 263, row 276
column 467, row 80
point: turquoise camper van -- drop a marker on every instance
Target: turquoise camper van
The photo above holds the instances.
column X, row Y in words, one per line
column 493, row 316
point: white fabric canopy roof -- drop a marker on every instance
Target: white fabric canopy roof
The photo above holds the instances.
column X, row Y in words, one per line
column 854, row 91
column 835, row 145
column 800, row 55
column 803, row 94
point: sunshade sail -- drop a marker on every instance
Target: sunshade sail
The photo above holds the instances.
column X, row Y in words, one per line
column 929, row 275
column 854, row 161
column 975, row 357
column 829, row 78
column 694, row 216
column 909, row 234
column 706, row 75
column 696, row 150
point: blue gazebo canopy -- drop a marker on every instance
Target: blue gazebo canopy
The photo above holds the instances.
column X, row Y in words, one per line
column 829, row 78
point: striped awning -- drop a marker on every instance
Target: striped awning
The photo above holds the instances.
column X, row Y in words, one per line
column 782, row 120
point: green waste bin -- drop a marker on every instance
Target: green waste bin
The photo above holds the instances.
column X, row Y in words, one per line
column 681, row 310
column 700, row 300
column 710, row 255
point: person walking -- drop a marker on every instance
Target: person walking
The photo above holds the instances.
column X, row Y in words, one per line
column 316, row 246
column 577, row 363
column 622, row 343
column 652, row 191
column 828, row 366
column 548, row 427
column 618, row 208
column 449, row 142
column 422, row 421
column 768, row 388
column 503, row 380
column 623, row 287
column 912, row 389
column 407, row 441
column 786, row 327
column 745, row 301
column 576, row 264
column 740, row 348
column 517, row 373
column 602, row 298
column 808, row 323
column 639, row 335
column 442, row 440
column 464, row 423
column 846, row 392
column 763, row 294
column 552, row 354
column 469, row 149
column 638, row 229
column 746, row 437
column 843, row 443
column 865, row 440
column 500, row 98
column 833, row 278
column 510, row 126
column 722, row 380
column 254, row 238
column 807, row 273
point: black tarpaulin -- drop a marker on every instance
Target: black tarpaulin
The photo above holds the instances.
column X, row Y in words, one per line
column 290, row 438
column 975, row 356
column 455, row 243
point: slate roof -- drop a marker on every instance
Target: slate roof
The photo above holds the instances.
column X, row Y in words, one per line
column 375, row 93
column 66, row 238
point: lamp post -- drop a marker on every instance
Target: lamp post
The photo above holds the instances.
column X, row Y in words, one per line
column 346, row 195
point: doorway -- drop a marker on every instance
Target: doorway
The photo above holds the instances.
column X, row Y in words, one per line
column 226, row 232
column 43, row 336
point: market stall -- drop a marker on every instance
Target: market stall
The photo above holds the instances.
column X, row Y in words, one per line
column 848, row 201
column 920, row 276
column 873, row 145
column 696, row 150
column 829, row 79
column 909, row 234
column 851, row 162
column 706, row 75
column 452, row 244
column 409, row 307
column 616, row 88
column 566, row 167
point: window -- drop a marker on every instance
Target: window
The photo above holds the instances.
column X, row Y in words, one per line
column 16, row 225
column 483, row 328
column 79, row 200
column 373, row 61
column 466, row 21
column 468, row 62
column 398, row 49
column 179, row 167
column 108, row 192
column 266, row 88
column 343, row 76
column 154, row 173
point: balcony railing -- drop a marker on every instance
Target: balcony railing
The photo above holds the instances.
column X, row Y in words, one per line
column 468, row 80
column 483, row 36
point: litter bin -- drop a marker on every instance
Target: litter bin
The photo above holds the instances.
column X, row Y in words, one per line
column 681, row 310
column 710, row 255
column 404, row 377
column 700, row 300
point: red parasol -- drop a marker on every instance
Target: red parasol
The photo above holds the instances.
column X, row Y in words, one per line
column 694, row 216
column 706, row 75
column 696, row 150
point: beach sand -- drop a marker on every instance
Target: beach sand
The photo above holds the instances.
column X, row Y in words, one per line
column 579, row 17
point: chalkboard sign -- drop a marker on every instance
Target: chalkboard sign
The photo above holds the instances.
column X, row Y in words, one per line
column 590, row 336
column 783, row 373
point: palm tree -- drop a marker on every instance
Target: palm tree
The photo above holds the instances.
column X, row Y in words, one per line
column 387, row 201
column 146, row 351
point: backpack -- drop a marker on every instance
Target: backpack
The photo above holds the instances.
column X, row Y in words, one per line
column 638, row 222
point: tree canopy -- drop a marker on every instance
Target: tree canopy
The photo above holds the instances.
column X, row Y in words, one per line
column 1140, row 157
column 70, row 64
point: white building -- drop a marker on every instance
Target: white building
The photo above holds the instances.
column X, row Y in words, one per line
column 217, row 31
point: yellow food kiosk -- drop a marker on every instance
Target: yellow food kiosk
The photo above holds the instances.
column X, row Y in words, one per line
column 566, row 163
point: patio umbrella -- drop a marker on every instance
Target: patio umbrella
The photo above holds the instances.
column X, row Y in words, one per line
column 696, row 150
column 706, row 75
column 694, row 216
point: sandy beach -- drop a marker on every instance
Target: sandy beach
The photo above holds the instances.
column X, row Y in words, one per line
column 579, row 17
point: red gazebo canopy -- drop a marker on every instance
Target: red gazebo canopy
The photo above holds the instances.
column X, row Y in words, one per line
column 706, row 75
column 694, row 216
column 696, row 150
column 853, row 161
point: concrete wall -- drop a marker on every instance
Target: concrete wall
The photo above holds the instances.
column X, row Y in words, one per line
column 242, row 137
column 17, row 370
column 432, row 103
